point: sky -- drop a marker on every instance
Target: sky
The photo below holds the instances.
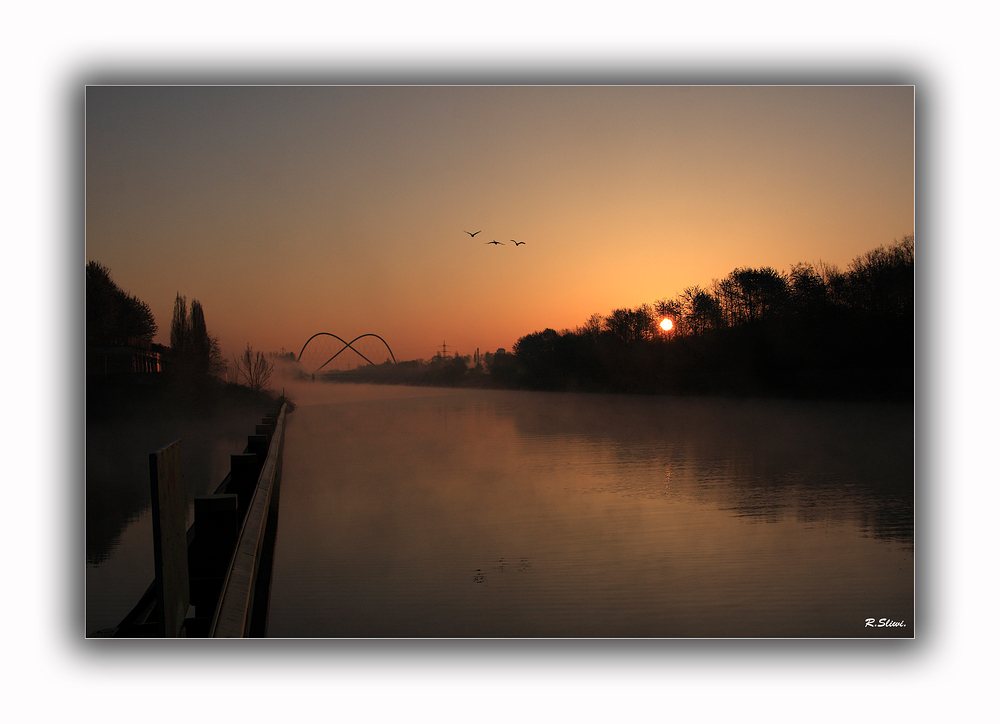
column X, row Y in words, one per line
column 292, row 210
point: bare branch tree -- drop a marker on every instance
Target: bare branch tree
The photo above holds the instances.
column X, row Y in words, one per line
column 254, row 368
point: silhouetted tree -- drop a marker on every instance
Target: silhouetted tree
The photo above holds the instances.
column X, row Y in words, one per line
column 835, row 281
column 196, row 353
column 705, row 312
column 502, row 367
column 204, row 348
column 444, row 370
column 748, row 295
column 631, row 325
column 676, row 310
column 198, row 342
column 114, row 316
column 254, row 368
column 592, row 328
column 881, row 280
column 179, row 326
column 693, row 311
column 807, row 289
column 536, row 359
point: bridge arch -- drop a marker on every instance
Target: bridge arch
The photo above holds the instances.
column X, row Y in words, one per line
column 347, row 345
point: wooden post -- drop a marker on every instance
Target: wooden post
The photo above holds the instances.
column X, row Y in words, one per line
column 243, row 601
column 244, row 471
column 217, row 528
column 258, row 444
column 169, row 539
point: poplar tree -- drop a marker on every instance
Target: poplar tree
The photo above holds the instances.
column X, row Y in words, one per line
column 199, row 343
column 196, row 352
column 179, row 327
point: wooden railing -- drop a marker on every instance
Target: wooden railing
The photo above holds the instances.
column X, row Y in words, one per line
column 230, row 547
column 244, row 587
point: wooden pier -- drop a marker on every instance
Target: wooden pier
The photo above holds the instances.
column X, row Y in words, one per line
column 229, row 550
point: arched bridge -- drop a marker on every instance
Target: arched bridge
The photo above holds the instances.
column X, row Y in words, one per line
column 365, row 346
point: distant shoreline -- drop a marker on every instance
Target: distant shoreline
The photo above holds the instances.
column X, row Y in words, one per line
column 837, row 387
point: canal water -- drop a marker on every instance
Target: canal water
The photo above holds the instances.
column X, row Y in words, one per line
column 119, row 525
column 420, row 512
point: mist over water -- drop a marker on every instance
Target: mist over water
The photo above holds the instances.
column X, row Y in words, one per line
column 119, row 530
column 436, row 512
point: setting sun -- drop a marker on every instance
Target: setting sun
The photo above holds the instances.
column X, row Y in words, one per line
column 666, row 325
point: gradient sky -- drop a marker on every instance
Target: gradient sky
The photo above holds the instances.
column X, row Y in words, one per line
column 288, row 211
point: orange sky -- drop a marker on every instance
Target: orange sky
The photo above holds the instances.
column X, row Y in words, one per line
column 288, row 211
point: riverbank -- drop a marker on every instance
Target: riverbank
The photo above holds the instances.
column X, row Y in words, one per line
column 127, row 420
column 131, row 397
column 731, row 377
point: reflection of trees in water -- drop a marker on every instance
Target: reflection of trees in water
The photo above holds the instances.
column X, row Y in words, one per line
column 117, row 484
column 761, row 460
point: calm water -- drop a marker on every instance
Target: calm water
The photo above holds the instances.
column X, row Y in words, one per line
column 454, row 513
column 119, row 525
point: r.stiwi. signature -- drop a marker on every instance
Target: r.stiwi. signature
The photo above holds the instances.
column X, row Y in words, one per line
column 884, row 623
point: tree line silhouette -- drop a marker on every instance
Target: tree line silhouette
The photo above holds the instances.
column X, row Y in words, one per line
column 815, row 331
column 191, row 369
column 114, row 316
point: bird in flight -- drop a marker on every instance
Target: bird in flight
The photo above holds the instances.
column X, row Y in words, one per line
column 518, row 243
column 494, row 242
column 472, row 234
